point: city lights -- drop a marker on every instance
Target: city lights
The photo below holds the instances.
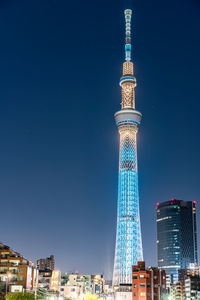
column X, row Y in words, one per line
column 58, row 212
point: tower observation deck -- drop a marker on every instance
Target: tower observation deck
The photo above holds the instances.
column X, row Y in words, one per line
column 128, row 247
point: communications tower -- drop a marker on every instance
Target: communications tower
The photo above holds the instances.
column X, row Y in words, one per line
column 128, row 247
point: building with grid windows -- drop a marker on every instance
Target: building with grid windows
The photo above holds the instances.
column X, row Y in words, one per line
column 44, row 264
column 148, row 284
column 176, row 236
column 16, row 272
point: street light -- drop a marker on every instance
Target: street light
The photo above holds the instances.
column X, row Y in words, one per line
column 8, row 276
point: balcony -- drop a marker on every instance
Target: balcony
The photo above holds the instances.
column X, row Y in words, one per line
column 2, row 264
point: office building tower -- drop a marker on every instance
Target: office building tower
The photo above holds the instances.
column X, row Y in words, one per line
column 176, row 236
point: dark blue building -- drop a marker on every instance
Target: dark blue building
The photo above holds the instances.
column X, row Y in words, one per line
column 176, row 235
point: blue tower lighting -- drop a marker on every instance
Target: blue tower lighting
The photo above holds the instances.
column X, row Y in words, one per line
column 128, row 247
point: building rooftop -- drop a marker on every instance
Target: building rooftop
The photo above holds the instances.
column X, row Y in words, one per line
column 173, row 201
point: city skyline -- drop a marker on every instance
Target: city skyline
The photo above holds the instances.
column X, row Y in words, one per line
column 59, row 154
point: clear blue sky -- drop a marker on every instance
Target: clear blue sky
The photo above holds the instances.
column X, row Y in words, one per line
column 60, row 64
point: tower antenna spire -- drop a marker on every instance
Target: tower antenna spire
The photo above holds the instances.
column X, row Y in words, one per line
column 128, row 15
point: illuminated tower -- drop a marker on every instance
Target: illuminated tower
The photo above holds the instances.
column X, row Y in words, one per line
column 128, row 248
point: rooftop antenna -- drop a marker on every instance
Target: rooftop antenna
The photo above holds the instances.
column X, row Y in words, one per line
column 128, row 15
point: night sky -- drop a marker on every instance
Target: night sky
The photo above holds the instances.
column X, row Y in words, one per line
column 60, row 64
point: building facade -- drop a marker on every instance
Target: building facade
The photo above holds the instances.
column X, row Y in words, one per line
column 16, row 272
column 193, row 270
column 70, row 292
column 78, row 285
column 44, row 264
column 176, row 236
column 44, row 279
column 192, row 288
column 186, row 289
column 177, row 291
column 55, row 280
column 148, row 284
column 46, row 267
column 98, row 283
column 128, row 247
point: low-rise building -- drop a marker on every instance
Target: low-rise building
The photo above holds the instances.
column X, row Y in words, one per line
column 46, row 267
column 44, row 279
column 55, row 280
column 123, row 292
column 84, row 281
column 75, row 285
column 192, row 288
column 69, row 291
column 188, row 288
column 97, row 282
column 193, row 270
column 169, row 281
column 16, row 272
column 44, row 264
column 148, row 284
column 177, row 291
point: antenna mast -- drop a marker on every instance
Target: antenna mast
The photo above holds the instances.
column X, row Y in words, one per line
column 128, row 14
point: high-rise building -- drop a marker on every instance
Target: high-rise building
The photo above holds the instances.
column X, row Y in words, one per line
column 176, row 235
column 128, row 247
column 148, row 284
column 46, row 264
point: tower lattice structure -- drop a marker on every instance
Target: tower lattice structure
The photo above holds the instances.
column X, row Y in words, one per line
column 128, row 247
